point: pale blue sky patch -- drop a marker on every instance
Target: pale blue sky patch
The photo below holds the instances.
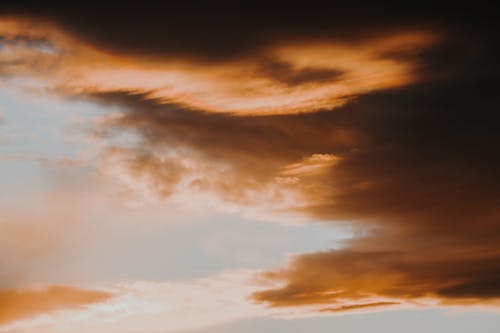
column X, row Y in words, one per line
column 43, row 135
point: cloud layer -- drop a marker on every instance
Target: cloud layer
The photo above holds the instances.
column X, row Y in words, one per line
column 388, row 127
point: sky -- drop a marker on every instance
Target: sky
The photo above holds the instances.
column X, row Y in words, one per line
column 232, row 167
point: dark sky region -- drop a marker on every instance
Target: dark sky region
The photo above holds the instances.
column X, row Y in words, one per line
column 412, row 167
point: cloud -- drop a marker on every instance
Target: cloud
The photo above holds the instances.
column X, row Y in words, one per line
column 422, row 189
column 156, row 174
column 286, row 77
column 221, row 31
column 162, row 305
column 395, row 163
column 21, row 304
column 390, row 128
column 284, row 72
column 329, row 277
column 359, row 306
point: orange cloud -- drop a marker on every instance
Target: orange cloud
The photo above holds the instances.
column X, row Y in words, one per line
column 282, row 79
column 21, row 304
column 335, row 276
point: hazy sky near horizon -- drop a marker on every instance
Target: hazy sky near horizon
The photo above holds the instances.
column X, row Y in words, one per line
column 216, row 168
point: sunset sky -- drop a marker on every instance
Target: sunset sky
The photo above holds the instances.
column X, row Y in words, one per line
column 203, row 167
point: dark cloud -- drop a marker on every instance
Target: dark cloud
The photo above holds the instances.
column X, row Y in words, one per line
column 219, row 30
column 424, row 181
column 285, row 73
